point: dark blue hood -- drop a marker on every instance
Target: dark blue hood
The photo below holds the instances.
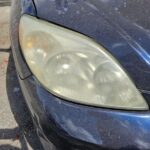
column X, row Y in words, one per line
column 121, row 26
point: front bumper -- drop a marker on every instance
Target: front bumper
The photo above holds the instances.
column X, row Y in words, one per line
column 68, row 126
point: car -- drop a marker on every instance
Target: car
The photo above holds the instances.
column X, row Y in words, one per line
column 84, row 70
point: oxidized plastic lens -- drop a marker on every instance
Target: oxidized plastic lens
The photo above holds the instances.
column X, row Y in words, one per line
column 74, row 67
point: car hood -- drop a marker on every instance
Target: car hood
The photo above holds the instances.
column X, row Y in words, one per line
column 121, row 26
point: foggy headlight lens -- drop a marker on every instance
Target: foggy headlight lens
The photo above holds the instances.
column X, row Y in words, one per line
column 74, row 67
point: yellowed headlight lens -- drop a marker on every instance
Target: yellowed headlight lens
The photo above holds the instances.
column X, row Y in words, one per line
column 74, row 67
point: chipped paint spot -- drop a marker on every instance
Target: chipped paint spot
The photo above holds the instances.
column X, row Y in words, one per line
column 16, row 89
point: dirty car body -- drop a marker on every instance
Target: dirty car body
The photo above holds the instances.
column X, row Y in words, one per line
column 123, row 28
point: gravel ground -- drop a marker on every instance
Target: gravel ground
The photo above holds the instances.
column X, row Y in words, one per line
column 16, row 128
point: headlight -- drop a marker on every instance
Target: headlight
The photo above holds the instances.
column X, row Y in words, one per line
column 75, row 68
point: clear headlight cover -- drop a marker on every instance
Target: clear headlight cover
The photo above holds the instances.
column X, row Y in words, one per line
column 75, row 68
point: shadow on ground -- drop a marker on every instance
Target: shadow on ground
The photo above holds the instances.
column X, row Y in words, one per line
column 8, row 147
column 25, row 131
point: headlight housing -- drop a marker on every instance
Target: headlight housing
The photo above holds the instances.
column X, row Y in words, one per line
column 75, row 68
